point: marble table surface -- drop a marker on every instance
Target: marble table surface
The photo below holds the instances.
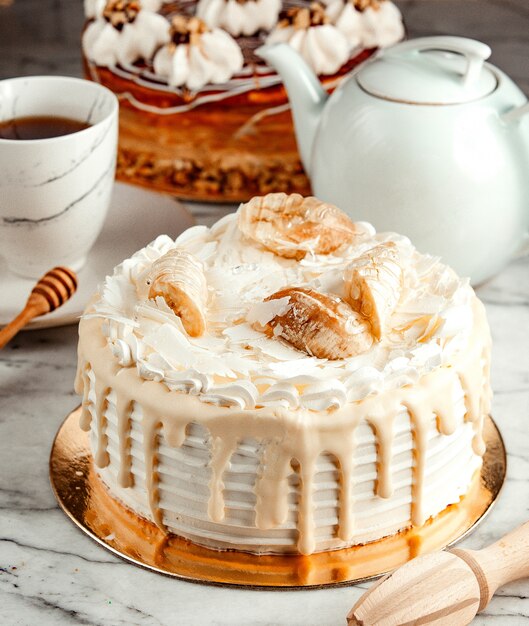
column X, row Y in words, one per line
column 50, row 573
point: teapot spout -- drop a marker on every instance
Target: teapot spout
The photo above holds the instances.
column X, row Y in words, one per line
column 307, row 96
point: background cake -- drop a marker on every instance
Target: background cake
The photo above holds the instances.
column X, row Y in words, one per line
column 286, row 381
column 201, row 115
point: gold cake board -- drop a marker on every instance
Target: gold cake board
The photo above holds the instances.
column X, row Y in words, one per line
column 87, row 503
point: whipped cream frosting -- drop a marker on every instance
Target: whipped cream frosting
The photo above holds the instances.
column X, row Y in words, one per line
column 375, row 26
column 234, row 365
column 323, row 46
column 333, row 8
column 94, row 8
column 211, row 58
column 108, row 46
column 239, row 18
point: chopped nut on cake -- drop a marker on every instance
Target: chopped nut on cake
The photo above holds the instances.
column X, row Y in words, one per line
column 121, row 12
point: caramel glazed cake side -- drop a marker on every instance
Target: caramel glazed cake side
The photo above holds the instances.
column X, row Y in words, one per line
column 290, row 443
column 225, row 141
column 242, row 150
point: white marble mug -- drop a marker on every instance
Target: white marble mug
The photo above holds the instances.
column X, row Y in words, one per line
column 55, row 193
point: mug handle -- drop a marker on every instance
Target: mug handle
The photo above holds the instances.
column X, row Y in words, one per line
column 475, row 52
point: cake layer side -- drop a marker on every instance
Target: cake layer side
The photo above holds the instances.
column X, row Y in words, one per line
column 185, row 474
column 228, row 149
column 185, row 71
column 230, row 154
column 320, row 505
column 227, row 145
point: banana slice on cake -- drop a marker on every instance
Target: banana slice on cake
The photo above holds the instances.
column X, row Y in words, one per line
column 292, row 226
column 319, row 324
column 373, row 284
column 178, row 277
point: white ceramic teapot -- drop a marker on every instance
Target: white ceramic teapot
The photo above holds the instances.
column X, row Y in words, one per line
column 425, row 139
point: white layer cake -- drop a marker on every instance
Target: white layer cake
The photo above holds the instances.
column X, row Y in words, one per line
column 238, row 440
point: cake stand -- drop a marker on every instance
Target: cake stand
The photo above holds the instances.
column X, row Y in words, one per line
column 85, row 500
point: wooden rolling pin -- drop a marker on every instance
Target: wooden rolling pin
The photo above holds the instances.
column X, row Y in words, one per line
column 446, row 588
column 54, row 289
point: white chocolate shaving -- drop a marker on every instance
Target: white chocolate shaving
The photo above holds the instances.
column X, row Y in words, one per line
column 240, row 275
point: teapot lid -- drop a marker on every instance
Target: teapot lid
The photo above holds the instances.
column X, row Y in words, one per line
column 430, row 70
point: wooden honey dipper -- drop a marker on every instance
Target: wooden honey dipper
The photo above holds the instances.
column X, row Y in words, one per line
column 54, row 289
column 444, row 588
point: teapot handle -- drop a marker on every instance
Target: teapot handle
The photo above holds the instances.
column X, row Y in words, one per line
column 475, row 52
column 515, row 114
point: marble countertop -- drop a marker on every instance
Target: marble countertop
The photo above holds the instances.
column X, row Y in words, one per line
column 50, row 573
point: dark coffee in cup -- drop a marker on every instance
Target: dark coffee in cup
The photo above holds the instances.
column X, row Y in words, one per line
column 39, row 127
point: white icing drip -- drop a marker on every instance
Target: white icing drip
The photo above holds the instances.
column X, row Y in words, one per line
column 214, row 60
column 324, row 47
column 107, row 46
column 235, row 365
column 241, row 83
column 371, row 28
column 185, row 508
column 239, row 18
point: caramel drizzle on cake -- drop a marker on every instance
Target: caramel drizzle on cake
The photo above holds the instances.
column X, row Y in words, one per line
column 288, row 436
